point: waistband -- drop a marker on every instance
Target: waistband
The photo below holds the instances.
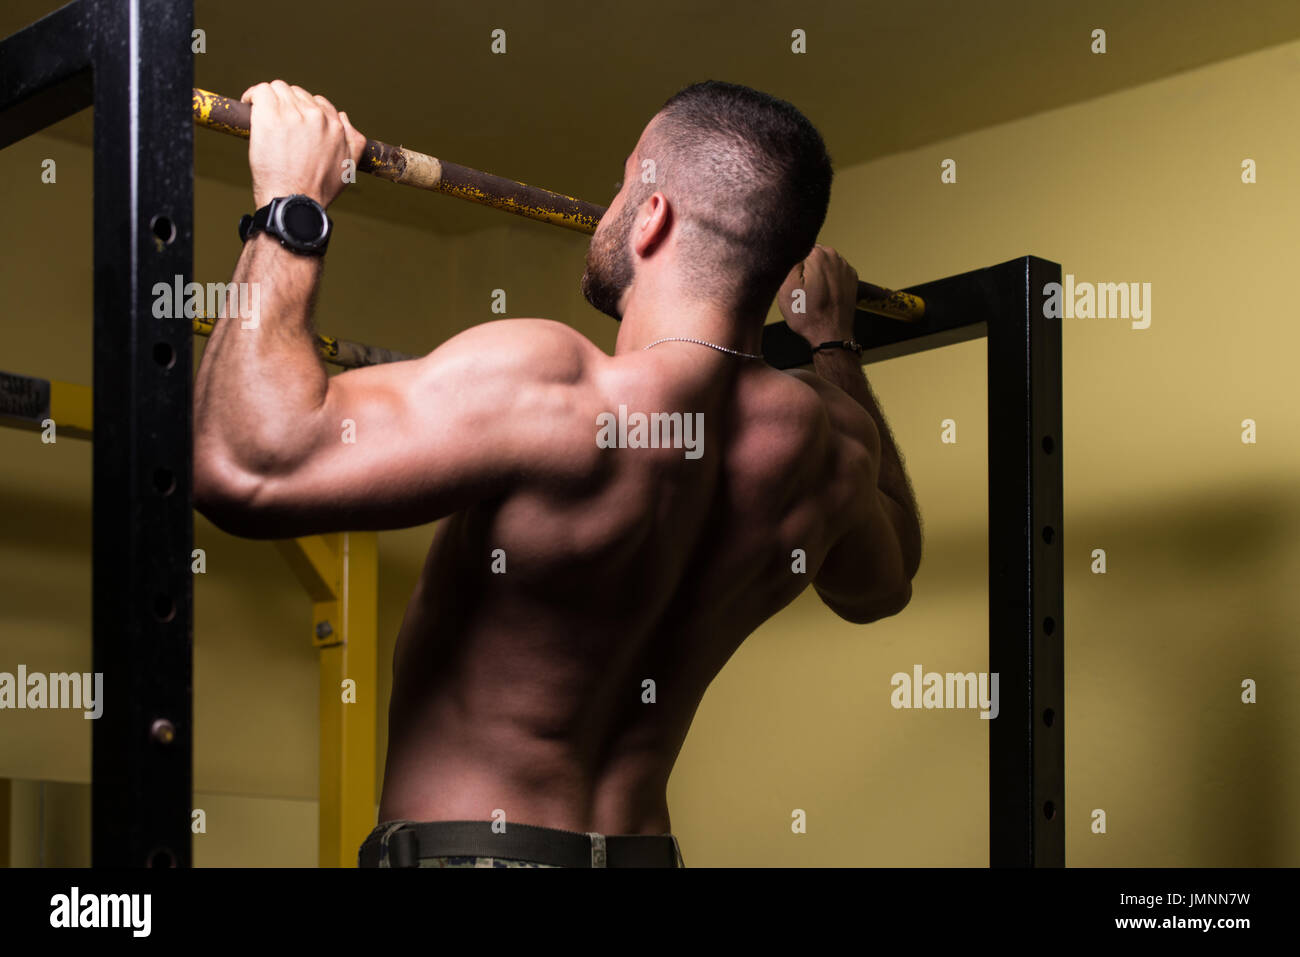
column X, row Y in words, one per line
column 404, row 843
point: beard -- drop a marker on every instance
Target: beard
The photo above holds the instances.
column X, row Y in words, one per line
column 609, row 270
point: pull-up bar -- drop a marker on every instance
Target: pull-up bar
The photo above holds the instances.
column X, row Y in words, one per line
column 410, row 168
column 398, row 164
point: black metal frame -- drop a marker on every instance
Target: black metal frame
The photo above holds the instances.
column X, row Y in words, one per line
column 131, row 61
column 1026, row 568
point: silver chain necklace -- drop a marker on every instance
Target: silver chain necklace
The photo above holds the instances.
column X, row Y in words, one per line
column 701, row 342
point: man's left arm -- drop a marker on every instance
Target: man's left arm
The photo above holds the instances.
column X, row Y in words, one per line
column 282, row 449
column 260, row 382
column 260, row 376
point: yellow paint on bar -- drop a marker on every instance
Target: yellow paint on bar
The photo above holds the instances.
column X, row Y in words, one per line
column 897, row 305
column 541, row 214
column 204, row 106
column 72, row 407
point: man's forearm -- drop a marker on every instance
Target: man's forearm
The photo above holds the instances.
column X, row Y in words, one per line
column 260, row 375
column 844, row 369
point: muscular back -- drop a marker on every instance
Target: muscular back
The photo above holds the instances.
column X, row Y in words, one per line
column 521, row 675
column 529, row 690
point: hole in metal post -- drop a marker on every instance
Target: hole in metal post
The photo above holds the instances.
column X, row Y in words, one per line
column 163, row 229
column 164, row 481
column 162, row 858
column 164, row 609
column 163, row 731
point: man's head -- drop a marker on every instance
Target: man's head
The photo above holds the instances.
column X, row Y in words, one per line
column 742, row 180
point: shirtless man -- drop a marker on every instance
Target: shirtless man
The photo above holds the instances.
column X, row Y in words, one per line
column 525, row 692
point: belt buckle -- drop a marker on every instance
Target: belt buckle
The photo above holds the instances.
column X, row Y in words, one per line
column 402, row 847
column 599, row 855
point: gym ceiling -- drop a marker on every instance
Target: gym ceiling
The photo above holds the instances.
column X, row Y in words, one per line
column 566, row 102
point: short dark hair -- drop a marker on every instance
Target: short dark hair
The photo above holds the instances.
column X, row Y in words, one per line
column 750, row 177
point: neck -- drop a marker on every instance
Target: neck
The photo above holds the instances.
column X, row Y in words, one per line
column 647, row 317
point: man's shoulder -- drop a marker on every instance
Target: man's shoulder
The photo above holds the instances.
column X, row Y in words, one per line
column 524, row 333
column 807, row 396
column 537, row 348
column 846, row 421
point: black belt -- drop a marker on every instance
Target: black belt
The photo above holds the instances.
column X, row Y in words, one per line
column 409, row 841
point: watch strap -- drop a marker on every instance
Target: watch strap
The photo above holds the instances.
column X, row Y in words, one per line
column 250, row 224
column 849, row 345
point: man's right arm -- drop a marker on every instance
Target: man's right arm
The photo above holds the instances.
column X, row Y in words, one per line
column 867, row 575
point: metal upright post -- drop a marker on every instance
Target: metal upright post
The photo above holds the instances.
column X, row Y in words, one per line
column 131, row 60
column 142, row 508
column 1026, row 572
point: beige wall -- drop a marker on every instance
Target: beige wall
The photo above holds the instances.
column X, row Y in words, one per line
column 1200, row 530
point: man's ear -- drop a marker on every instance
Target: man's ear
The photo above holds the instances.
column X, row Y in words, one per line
column 654, row 221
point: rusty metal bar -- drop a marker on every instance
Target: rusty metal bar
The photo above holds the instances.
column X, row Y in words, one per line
column 410, row 168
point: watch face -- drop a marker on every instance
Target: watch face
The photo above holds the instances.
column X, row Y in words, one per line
column 303, row 221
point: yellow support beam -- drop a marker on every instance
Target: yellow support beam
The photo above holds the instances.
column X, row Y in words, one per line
column 341, row 575
column 72, row 409
column 346, row 629
column 314, row 561
column 27, row 402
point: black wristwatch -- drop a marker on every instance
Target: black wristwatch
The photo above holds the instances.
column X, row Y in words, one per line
column 298, row 221
column 851, row 345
